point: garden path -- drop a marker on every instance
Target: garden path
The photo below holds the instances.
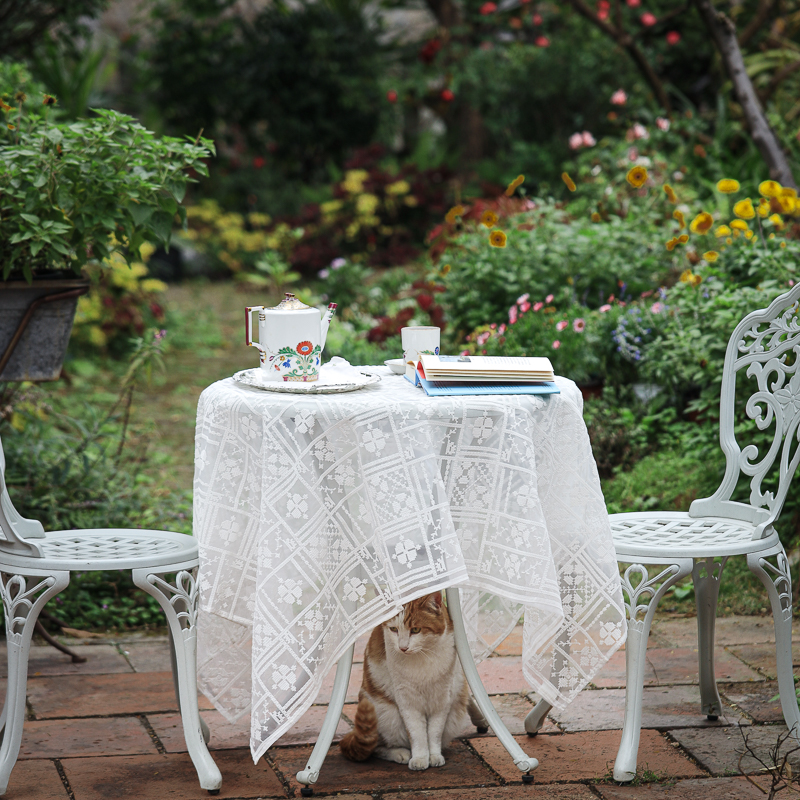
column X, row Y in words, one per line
column 109, row 729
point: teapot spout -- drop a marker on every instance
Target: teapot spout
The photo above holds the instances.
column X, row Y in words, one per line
column 325, row 324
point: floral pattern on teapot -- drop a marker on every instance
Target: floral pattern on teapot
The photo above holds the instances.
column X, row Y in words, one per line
column 300, row 363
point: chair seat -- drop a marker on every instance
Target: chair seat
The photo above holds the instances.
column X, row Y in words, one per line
column 106, row 548
column 674, row 534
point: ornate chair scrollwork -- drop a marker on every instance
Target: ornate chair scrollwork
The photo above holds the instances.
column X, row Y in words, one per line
column 35, row 565
column 763, row 358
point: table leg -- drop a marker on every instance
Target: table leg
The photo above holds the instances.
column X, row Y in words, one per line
column 335, row 707
column 524, row 763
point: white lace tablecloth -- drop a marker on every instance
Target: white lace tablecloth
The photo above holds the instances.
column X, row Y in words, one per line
column 318, row 516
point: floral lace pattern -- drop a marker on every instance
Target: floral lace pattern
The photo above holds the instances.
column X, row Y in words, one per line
column 318, row 517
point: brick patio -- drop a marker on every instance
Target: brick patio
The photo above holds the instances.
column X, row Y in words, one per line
column 109, row 729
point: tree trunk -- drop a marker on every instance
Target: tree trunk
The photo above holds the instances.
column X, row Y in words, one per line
column 724, row 34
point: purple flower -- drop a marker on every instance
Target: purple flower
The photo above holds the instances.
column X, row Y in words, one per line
column 338, row 263
column 323, row 273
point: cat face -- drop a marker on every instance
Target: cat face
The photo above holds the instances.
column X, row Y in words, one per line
column 418, row 626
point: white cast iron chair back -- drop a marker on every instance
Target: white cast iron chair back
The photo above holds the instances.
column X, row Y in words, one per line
column 763, row 357
column 35, row 565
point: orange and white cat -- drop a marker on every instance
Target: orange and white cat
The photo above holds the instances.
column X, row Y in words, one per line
column 414, row 698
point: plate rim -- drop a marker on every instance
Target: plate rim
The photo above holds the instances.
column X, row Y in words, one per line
column 287, row 387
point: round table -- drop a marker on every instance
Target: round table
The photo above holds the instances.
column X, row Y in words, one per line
column 318, row 516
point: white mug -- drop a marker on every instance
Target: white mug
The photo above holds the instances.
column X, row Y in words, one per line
column 418, row 340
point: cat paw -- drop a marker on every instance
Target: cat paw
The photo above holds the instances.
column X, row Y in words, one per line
column 437, row 760
column 400, row 755
column 420, row 762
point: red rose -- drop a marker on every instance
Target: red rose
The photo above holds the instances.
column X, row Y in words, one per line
column 648, row 19
column 673, row 37
column 391, row 96
column 537, row 19
column 447, row 96
column 259, row 161
column 488, row 8
column 542, row 41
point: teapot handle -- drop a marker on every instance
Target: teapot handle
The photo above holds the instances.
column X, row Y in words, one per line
column 248, row 326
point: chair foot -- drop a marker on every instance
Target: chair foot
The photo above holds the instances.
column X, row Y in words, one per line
column 306, row 791
column 482, row 729
column 213, row 791
column 527, row 779
column 712, row 717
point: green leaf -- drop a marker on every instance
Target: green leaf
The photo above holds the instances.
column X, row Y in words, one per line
column 36, row 247
column 161, row 225
column 32, row 218
column 54, row 135
column 168, row 204
column 177, row 189
column 140, row 212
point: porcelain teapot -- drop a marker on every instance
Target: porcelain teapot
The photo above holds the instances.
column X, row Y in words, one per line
column 291, row 336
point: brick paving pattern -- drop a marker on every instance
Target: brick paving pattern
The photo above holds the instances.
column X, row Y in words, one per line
column 109, row 729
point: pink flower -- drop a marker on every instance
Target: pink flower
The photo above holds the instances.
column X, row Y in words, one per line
column 561, row 324
column 602, row 14
column 538, row 306
column 525, row 307
column 488, row 8
column 633, row 154
column 578, row 325
column 604, row 308
column 523, row 298
column 647, row 19
column 634, row 3
column 493, row 326
column 536, row 19
column 656, row 308
column 619, row 98
column 502, row 329
column 588, row 139
column 556, row 344
column 482, row 338
column 575, row 141
column 549, row 299
column 512, row 314
column 464, row 353
column 541, row 41
column 662, row 123
column 638, row 131
column 673, row 37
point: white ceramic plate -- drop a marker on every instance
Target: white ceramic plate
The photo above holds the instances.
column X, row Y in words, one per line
column 396, row 365
column 252, row 377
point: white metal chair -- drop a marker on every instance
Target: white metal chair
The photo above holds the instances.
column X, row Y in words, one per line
column 35, row 565
column 764, row 349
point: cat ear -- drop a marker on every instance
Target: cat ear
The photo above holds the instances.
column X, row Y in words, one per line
column 434, row 601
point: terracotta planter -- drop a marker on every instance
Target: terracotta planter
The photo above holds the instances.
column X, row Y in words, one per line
column 35, row 325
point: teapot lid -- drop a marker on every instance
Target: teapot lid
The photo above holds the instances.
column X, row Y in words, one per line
column 289, row 303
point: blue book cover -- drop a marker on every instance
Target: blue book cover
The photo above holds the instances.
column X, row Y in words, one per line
column 440, row 388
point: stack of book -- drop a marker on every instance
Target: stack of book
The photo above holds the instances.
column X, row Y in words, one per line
column 456, row 375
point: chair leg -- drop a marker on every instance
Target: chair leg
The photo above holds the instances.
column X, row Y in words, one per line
column 178, row 600
column 335, row 707
column 778, row 581
column 643, row 593
column 23, row 598
column 536, row 717
column 524, row 762
column 706, row 576
column 174, row 663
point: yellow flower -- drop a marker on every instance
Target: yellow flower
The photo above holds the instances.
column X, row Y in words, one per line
column 596, row 217
column 518, row 181
column 763, row 207
column 489, row 218
column 445, row 269
column 366, row 204
column 398, row 187
column 744, row 209
column 678, row 215
column 670, row 245
column 686, row 276
column 777, row 221
column 702, row 223
column 723, row 230
column 711, row 256
column 739, row 225
column 729, row 240
column 787, row 203
column 787, row 191
column 728, row 186
column 354, row 180
column 331, row 207
column 497, row 239
column 748, row 234
column 570, row 183
column 453, row 214
column 636, row 177
column 771, row 236
column 683, row 238
column 770, row 188
column 783, row 244
column 696, row 280
column 411, row 201
column 670, row 192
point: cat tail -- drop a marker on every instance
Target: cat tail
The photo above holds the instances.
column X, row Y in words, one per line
column 359, row 744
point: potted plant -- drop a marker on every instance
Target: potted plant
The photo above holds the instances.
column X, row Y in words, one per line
column 71, row 194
